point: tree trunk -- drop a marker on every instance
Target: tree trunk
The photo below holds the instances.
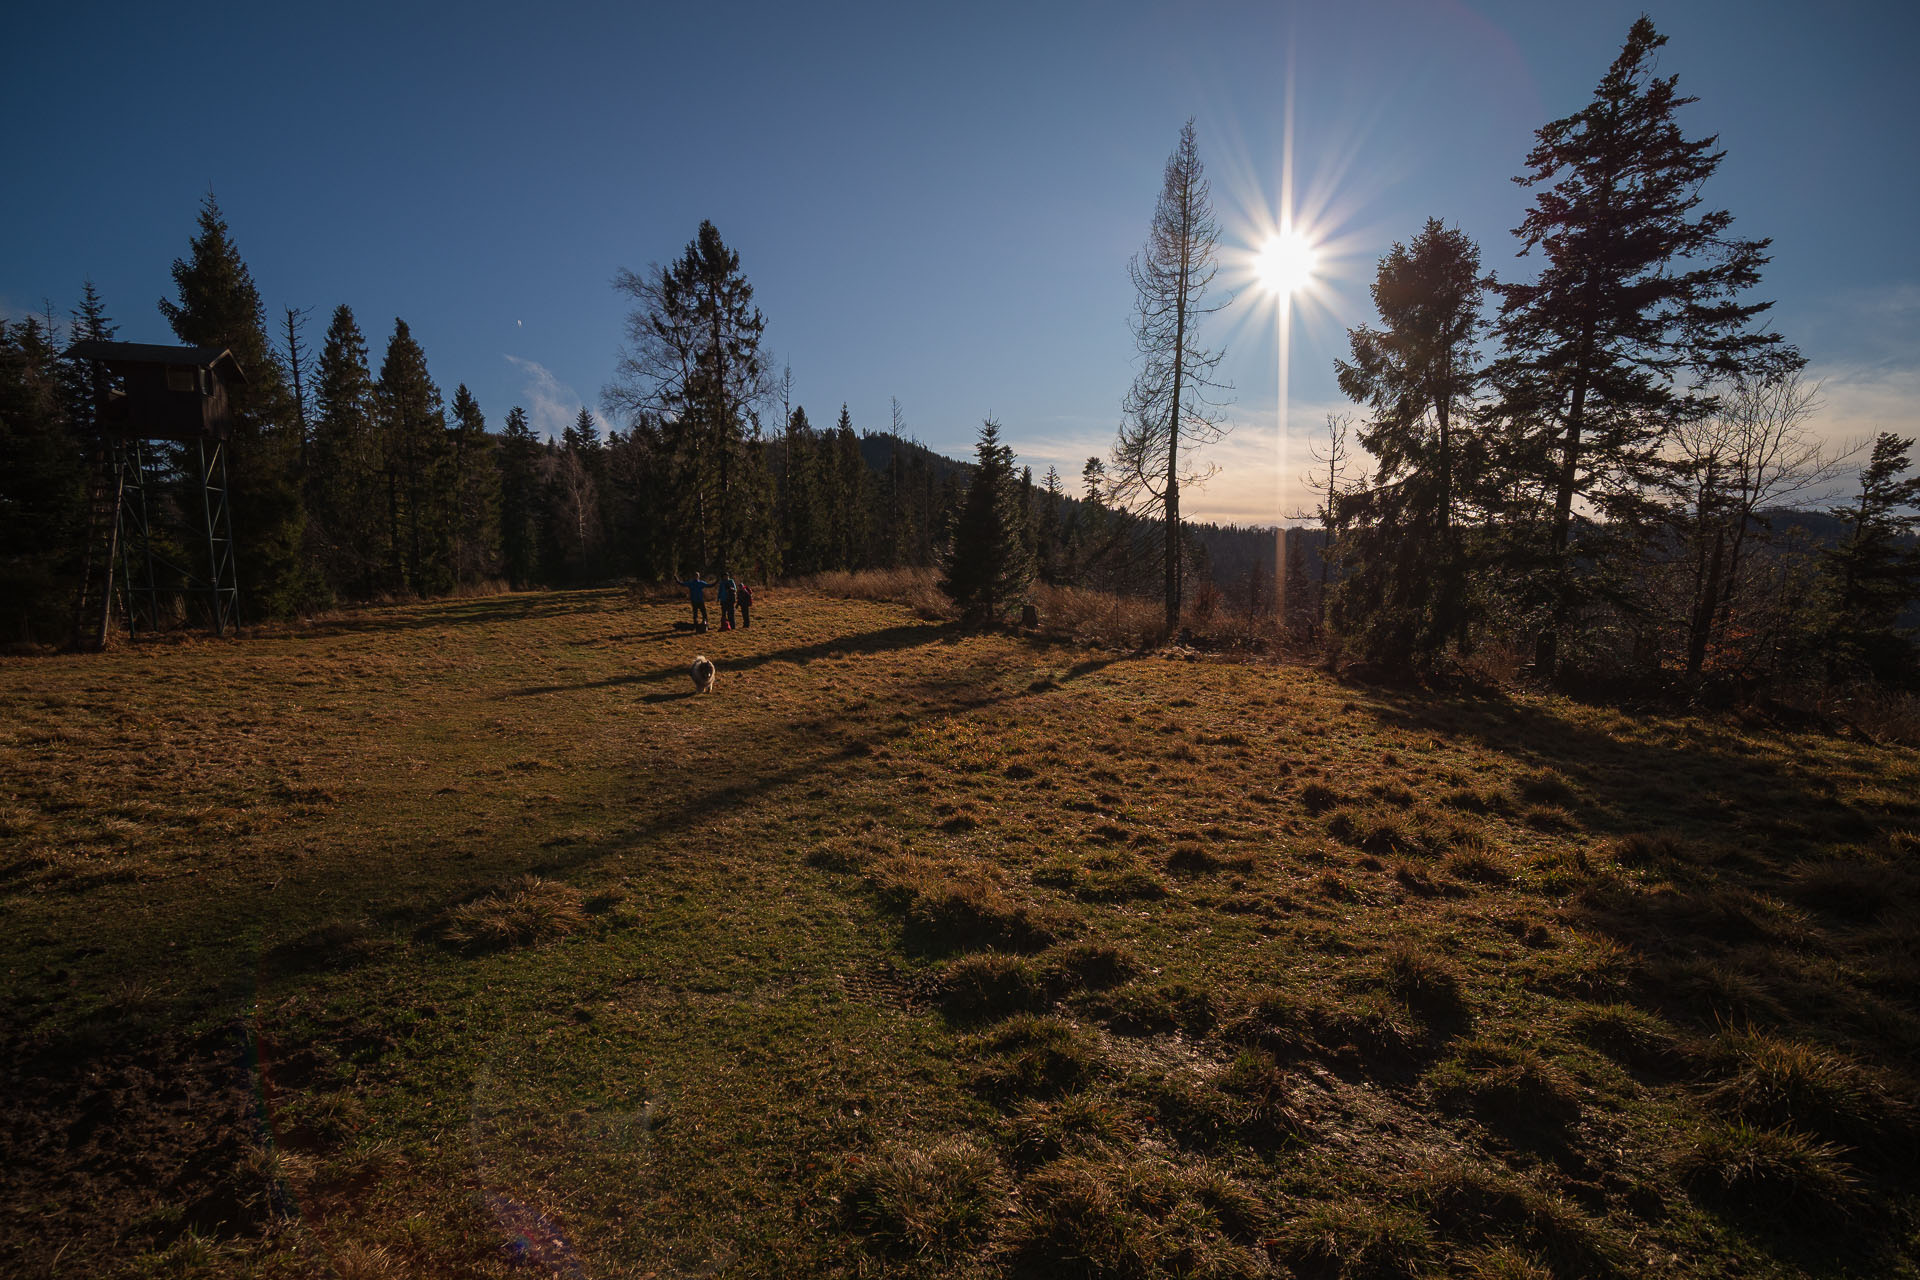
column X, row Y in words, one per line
column 1546, row 654
column 1700, row 626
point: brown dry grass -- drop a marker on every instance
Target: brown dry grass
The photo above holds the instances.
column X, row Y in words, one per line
column 1060, row 946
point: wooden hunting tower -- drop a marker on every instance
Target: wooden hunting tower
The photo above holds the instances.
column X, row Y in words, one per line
column 164, row 416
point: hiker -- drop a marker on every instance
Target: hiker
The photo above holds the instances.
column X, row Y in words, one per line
column 727, row 591
column 697, row 589
column 745, row 595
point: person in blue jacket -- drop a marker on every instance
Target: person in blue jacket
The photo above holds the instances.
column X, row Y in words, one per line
column 727, row 592
column 697, row 589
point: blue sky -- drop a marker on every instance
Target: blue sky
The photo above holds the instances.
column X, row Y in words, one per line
column 935, row 203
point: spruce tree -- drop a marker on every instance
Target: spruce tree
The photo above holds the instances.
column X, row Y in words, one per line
column 42, row 488
column 475, row 509
column 218, row 306
column 344, row 491
column 849, row 481
column 575, row 489
column 415, row 456
column 1049, row 558
column 1637, row 305
column 1406, row 595
column 693, row 359
column 86, row 379
column 986, row 566
column 520, row 505
column 1874, row 576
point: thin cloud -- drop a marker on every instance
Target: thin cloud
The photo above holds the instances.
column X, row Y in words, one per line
column 1857, row 402
column 1242, row 489
column 552, row 405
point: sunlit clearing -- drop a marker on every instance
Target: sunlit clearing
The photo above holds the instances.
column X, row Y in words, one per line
column 1286, row 262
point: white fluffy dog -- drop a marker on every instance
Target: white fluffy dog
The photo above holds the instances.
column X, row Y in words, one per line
column 702, row 675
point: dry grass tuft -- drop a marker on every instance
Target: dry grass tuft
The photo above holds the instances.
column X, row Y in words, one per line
column 1092, row 966
column 1757, row 1172
column 1850, row 888
column 1359, row 1240
column 1776, row 1082
column 531, row 911
column 1628, row 1034
column 934, row 1202
column 990, row 985
column 1425, row 982
column 953, row 907
column 1143, row 1009
column 1479, row 1204
column 1035, row 1056
column 1507, row 1084
column 911, row 587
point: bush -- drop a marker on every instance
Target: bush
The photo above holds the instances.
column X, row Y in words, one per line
column 912, row 587
column 1099, row 617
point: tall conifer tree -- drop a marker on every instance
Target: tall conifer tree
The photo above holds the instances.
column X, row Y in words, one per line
column 693, row 358
column 1406, row 596
column 520, row 487
column 218, row 306
column 475, row 484
column 344, row 489
column 986, row 565
column 1637, row 305
column 415, row 456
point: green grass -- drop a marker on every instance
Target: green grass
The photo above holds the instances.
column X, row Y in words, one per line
column 463, row 939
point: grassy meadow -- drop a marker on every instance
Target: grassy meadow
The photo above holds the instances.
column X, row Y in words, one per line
column 462, row 939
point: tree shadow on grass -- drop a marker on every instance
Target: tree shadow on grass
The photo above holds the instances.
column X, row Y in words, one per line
column 885, row 640
column 470, row 611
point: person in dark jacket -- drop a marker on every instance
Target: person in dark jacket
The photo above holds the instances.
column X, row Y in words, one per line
column 727, row 593
column 746, row 603
column 697, row 589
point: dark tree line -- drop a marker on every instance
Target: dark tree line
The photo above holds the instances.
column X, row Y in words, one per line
column 354, row 477
column 1601, row 471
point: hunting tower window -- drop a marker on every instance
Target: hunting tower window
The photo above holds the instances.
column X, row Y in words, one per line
column 181, row 377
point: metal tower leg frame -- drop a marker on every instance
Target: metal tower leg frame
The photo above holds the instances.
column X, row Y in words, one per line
column 223, row 592
column 140, row 583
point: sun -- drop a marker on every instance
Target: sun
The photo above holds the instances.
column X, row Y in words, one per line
column 1286, row 263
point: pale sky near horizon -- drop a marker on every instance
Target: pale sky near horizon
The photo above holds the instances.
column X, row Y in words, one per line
column 935, row 203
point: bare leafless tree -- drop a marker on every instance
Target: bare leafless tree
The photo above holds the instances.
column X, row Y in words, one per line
column 1166, row 414
column 1335, row 472
column 295, row 323
column 1755, row 456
